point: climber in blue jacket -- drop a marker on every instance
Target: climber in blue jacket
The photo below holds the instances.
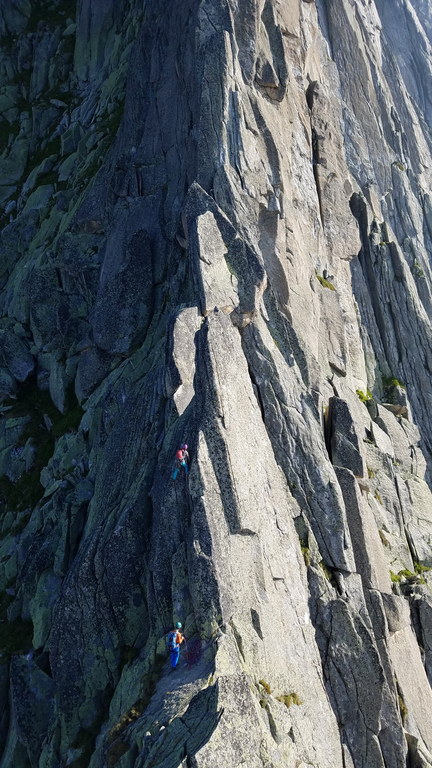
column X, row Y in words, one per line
column 174, row 640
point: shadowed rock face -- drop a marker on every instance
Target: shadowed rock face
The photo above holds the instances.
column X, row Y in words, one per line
column 216, row 228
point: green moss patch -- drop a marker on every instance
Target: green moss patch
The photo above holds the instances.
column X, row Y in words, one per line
column 377, row 496
column 364, row 397
column 417, row 269
column 306, row 556
column 289, row 699
column 326, row 571
column 383, row 538
column 391, row 381
column 407, row 575
column 403, row 709
column 265, row 686
column 419, row 568
column 324, row 282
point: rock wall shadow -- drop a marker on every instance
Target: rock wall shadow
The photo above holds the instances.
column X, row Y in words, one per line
column 210, row 425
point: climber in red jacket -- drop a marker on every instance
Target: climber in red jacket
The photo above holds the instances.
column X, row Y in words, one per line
column 181, row 460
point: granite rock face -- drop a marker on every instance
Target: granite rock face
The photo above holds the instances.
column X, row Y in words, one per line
column 216, row 228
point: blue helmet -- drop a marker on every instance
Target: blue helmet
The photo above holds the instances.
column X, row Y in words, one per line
column 178, row 625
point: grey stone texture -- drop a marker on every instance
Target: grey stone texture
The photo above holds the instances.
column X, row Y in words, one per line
column 215, row 229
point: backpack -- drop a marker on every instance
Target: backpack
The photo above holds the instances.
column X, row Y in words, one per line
column 180, row 455
column 172, row 641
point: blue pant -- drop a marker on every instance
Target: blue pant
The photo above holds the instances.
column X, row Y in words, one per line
column 176, row 470
column 174, row 656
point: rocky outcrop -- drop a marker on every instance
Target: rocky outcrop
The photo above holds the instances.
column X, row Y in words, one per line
column 216, row 229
